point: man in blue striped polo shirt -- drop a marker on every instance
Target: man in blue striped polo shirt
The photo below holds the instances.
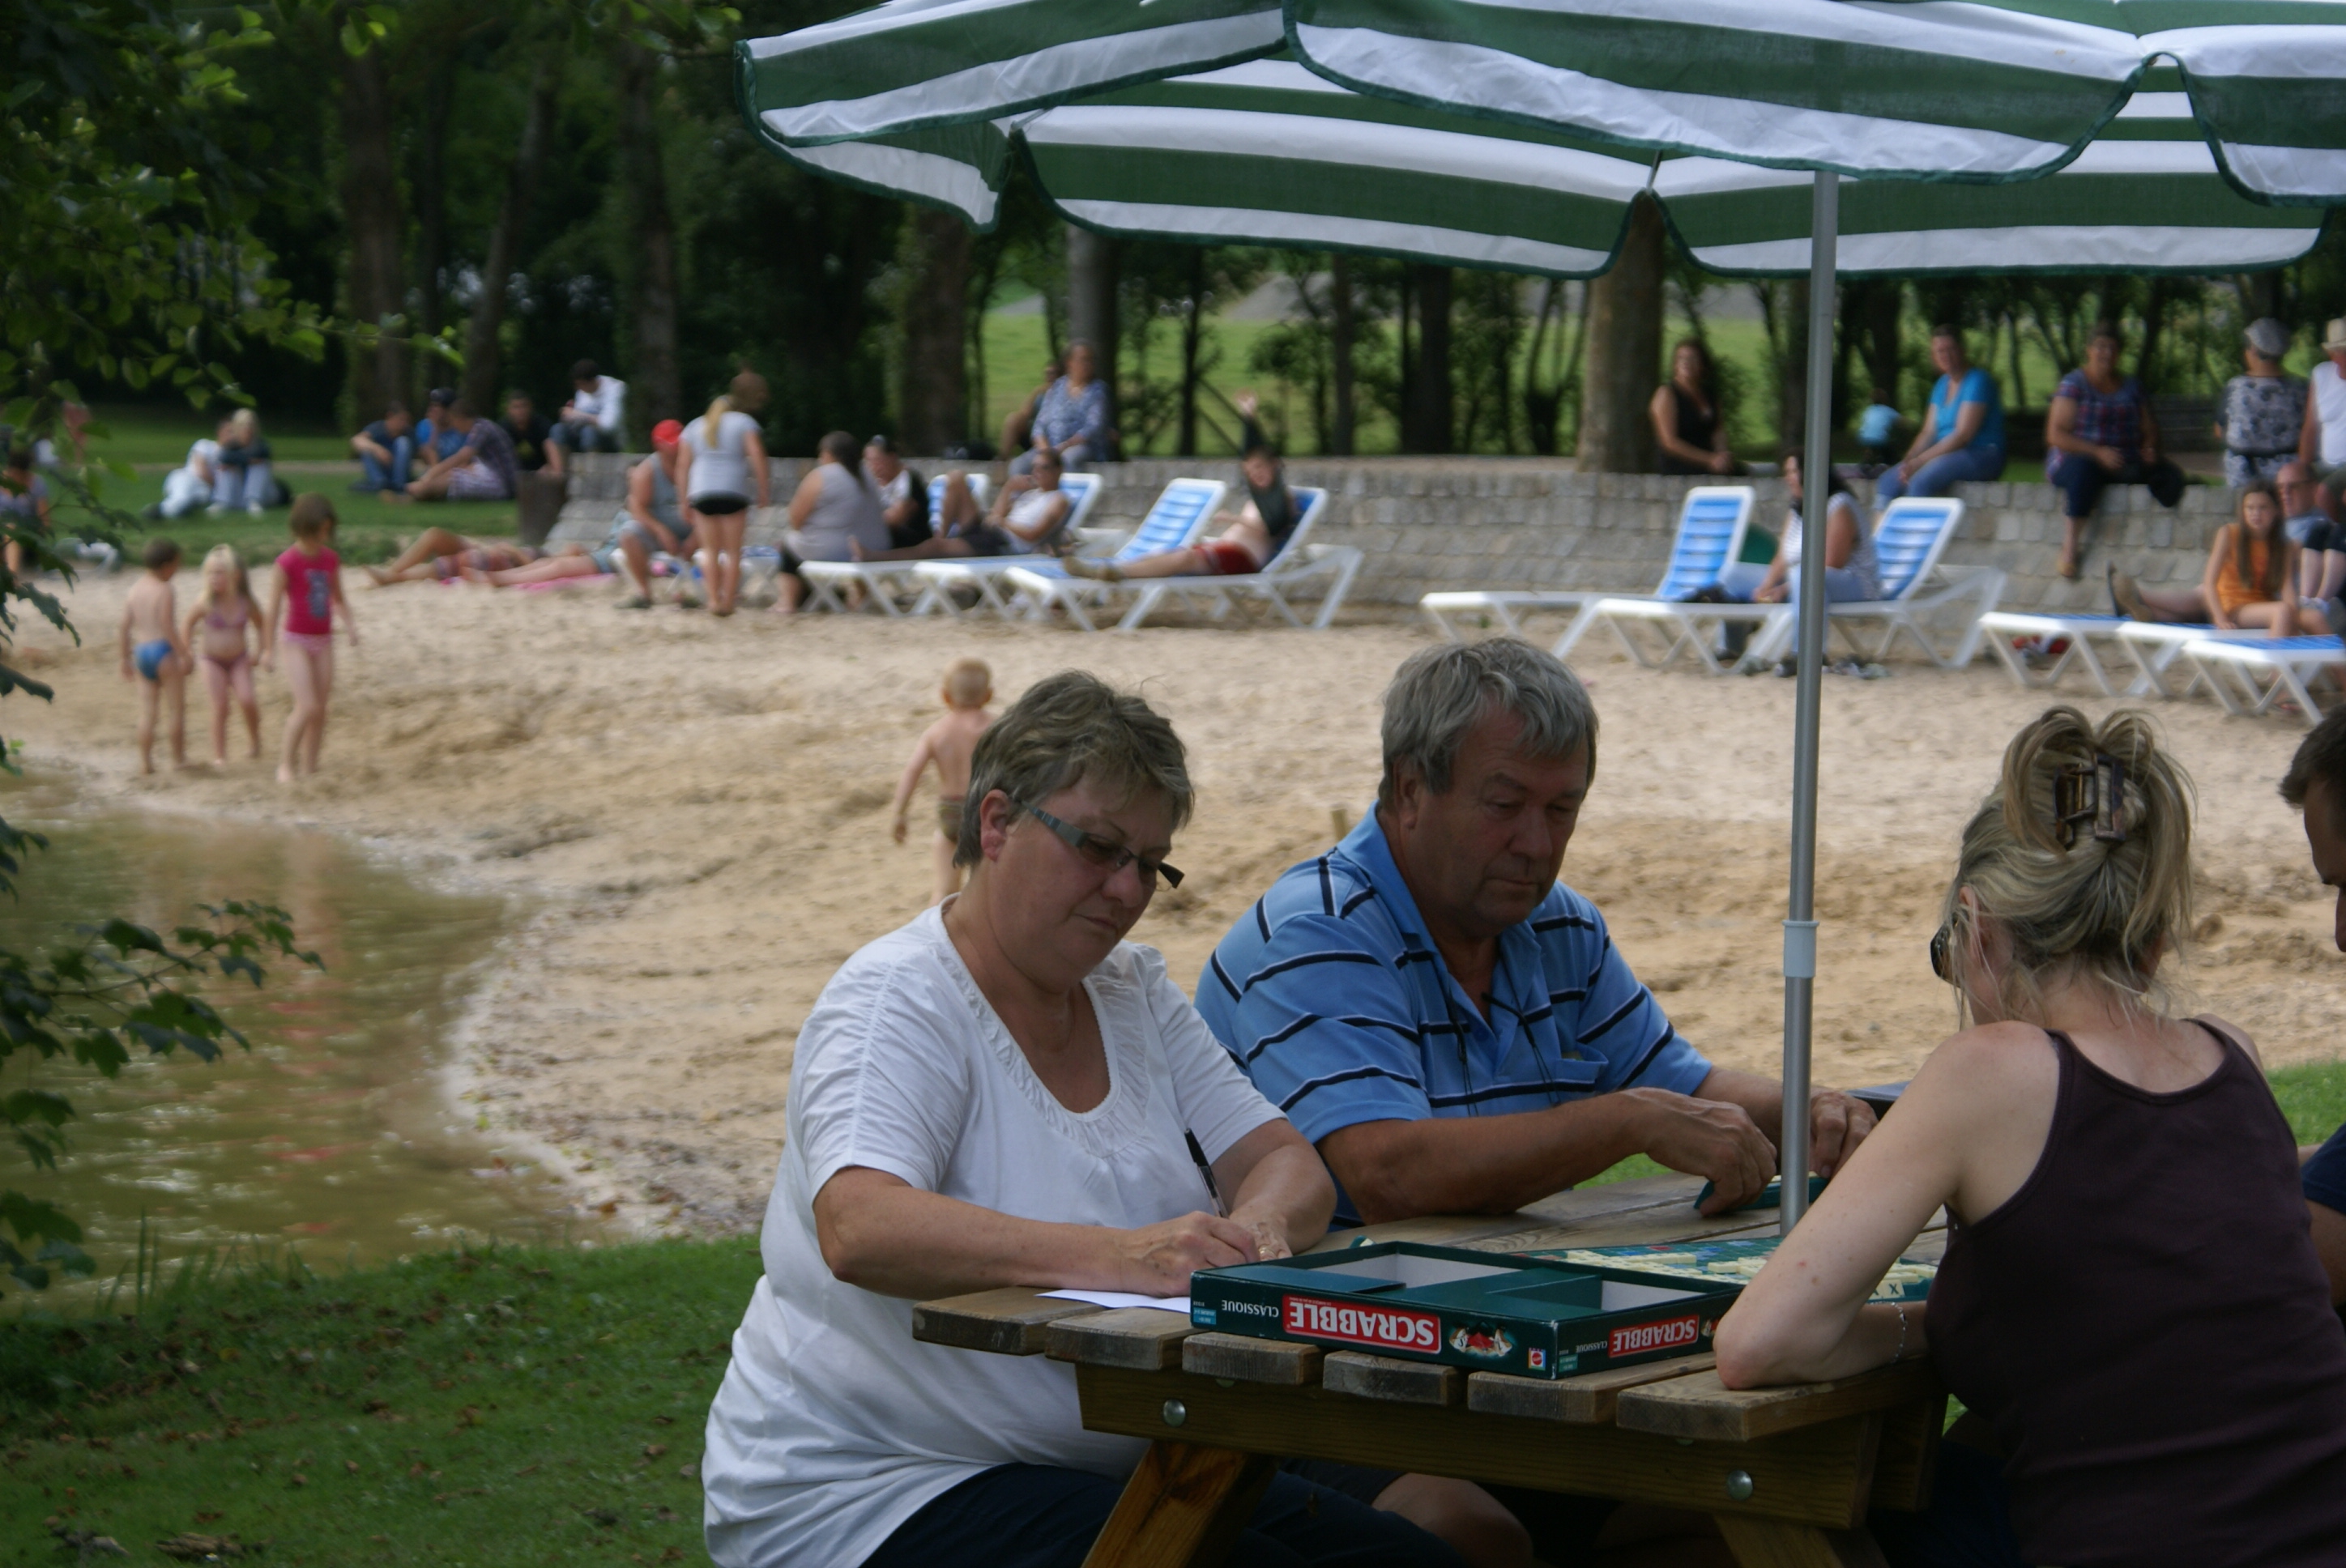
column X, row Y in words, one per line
column 1450, row 1026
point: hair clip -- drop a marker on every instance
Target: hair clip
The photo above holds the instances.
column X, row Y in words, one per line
column 2092, row 793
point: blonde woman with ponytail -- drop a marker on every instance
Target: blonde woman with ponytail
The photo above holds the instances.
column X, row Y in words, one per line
column 2129, row 1306
column 723, row 456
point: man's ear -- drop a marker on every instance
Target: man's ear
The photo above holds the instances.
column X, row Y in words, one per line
column 1409, row 797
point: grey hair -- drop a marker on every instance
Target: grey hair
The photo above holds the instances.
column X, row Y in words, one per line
column 1069, row 729
column 1439, row 694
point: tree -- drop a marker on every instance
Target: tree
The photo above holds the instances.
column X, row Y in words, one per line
column 1427, row 407
column 932, row 369
column 481, row 344
column 1625, row 350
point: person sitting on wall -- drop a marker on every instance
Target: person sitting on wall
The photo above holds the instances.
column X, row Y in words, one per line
column 2100, row 431
column 1689, row 436
column 596, row 417
column 1020, row 420
column 2261, row 414
column 1251, row 537
column 1962, row 433
column 534, row 449
column 1071, row 421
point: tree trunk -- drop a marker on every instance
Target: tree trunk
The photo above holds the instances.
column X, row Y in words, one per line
column 654, row 374
column 1192, row 331
column 378, row 293
column 482, row 348
column 932, row 380
column 2154, row 327
column 1624, row 338
column 1878, row 328
column 431, row 193
column 1091, row 305
column 1426, row 399
column 1341, row 333
column 1792, row 368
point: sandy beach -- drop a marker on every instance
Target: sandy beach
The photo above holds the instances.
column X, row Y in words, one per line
column 693, row 815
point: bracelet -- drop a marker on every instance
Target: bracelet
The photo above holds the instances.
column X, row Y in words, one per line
column 1901, row 1354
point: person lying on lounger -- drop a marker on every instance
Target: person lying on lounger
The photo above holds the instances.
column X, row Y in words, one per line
column 1250, row 536
column 1028, row 513
column 440, row 553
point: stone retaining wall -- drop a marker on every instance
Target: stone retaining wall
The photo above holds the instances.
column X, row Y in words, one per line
column 1427, row 523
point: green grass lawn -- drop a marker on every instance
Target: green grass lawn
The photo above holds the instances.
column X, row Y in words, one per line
column 501, row 1407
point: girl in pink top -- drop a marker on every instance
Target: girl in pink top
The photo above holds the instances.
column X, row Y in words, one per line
column 301, row 622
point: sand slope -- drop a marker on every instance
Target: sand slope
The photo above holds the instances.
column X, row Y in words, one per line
column 696, row 813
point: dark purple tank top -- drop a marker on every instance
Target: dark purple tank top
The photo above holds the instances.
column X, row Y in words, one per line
column 2146, row 1327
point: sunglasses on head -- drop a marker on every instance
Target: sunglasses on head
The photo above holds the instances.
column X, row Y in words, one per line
column 1939, row 941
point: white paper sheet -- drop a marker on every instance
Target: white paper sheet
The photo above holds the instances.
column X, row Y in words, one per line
column 1118, row 1298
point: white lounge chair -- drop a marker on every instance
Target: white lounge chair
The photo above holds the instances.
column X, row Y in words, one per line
column 1299, row 562
column 2254, row 675
column 984, row 574
column 1180, row 515
column 2157, row 646
column 2003, row 629
column 1711, row 524
column 1916, row 589
column 883, row 582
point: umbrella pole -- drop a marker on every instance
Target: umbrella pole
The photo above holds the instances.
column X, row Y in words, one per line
column 1801, row 924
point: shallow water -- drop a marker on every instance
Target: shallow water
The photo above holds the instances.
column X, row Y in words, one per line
column 332, row 1134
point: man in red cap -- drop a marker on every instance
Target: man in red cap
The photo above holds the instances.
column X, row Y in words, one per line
column 653, row 520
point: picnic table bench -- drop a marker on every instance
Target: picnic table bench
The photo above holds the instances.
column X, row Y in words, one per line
column 1788, row 1473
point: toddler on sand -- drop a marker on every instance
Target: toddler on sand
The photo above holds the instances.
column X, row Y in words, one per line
column 949, row 743
column 301, row 622
column 219, row 629
column 154, row 656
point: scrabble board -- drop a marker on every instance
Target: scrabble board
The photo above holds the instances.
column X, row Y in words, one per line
column 1731, row 1262
column 1533, row 1316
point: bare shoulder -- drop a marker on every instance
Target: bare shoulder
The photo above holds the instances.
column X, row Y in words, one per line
column 1986, row 1070
column 2232, row 1032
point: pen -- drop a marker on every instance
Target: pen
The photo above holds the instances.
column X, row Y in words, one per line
column 1198, row 1153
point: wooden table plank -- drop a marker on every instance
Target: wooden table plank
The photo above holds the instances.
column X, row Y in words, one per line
column 1702, row 1408
column 1763, row 1544
column 1393, row 1380
column 1821, row 1474
column 1141, row 1337
column 1584, row 1400
column 1250, row 1360
column 1007, row 1322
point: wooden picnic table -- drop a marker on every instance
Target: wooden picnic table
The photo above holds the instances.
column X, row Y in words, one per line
column 1788, row 1473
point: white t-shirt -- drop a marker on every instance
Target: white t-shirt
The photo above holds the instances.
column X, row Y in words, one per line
column 605, row 405
column 2329, row 401
column 833, row 1425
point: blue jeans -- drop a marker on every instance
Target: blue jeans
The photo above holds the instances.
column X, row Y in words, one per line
column 1941, row 474
column 584, row 435
column 1035, row 1516
column 1742, row 579
column 392, row 475
column 243, row 487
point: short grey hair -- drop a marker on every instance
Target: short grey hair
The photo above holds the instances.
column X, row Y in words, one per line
column 1439, row 694
column 1066, row 729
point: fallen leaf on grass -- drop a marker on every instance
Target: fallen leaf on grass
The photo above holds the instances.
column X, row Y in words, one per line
column 654, row 1449
column 205, row 1516
column 85, row 1542
column 688, row 1471
column 527, row 1470
column 299, row 1480
column 193, row 1548
column 673, row 1554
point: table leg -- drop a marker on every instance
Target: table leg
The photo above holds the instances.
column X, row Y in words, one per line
column 1771, row 1544
column 1184, row 1506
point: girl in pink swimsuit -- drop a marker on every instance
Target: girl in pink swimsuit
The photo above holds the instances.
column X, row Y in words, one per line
column 301, row 623
column 219, row 628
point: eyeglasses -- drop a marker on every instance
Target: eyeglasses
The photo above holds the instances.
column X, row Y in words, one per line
column 1105, row 854
column 1939, row 964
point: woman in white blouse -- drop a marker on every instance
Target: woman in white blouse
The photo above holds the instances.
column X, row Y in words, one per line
column 999, row 1095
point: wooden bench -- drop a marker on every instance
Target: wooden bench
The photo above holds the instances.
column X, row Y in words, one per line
column 1788, row 1473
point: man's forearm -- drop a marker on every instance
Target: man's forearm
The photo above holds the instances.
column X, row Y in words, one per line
column 1762, row 1099
column 1480, row 1165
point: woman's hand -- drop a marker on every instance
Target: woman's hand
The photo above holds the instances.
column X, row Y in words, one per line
column 1722, row 462
column 1157, row 1259
column 1269, row 1233
column 2110, row 457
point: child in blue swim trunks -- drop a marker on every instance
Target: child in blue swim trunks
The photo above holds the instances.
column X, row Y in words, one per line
column 155, row 656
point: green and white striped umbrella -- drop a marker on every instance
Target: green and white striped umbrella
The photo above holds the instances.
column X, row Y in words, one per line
column 2145, row 195
column 1987, row 90
column 1269, row 153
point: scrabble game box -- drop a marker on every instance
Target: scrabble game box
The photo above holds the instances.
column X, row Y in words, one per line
column 1531, row 1317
